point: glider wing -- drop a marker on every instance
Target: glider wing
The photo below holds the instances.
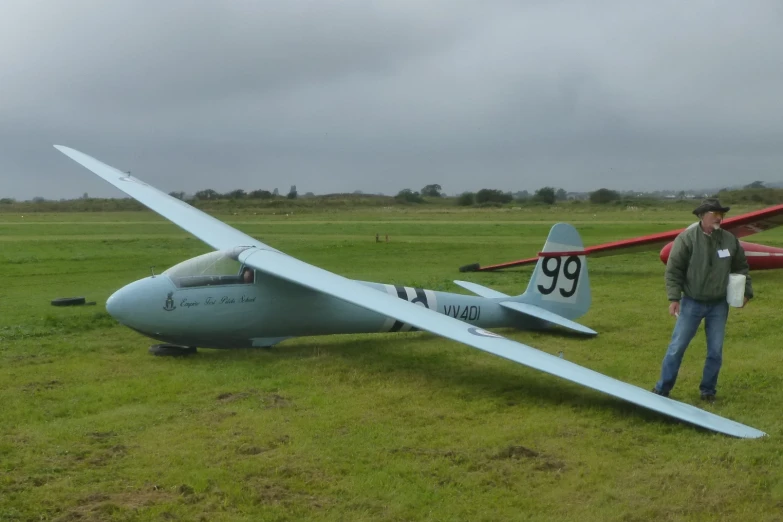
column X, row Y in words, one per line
column 741, row 226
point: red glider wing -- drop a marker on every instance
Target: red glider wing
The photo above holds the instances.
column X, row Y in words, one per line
column 754, row 222
column 741, row 226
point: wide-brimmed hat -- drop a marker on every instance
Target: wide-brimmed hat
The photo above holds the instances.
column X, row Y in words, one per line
column 708, row 205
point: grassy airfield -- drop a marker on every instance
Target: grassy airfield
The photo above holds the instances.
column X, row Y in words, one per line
column 370, row 427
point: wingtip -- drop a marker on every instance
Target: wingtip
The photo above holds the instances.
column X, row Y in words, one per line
column 584, row 330
column 68, row 151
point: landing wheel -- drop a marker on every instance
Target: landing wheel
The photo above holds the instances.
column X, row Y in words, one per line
column 172, row 350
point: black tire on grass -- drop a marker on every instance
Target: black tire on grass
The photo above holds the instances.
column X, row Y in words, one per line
column 68, row 301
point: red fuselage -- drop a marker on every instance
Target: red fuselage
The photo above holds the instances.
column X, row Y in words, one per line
column 760, row 257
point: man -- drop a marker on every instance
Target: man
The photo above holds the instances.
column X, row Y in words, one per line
column 697, row 276
column 247, row 275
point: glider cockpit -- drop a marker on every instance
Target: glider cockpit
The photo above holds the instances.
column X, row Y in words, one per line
column 215, row 268
column 208, row 287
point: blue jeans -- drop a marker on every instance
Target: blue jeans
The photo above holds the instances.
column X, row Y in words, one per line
column 692, row 312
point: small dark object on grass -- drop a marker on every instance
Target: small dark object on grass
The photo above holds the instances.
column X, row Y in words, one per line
column 68, row 301
column 470, row 268
column 172, row 350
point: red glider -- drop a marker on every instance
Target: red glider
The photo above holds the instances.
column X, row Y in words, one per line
column 760, row 257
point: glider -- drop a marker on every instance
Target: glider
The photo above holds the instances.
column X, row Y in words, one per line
column 245, row 280
column 760, row 257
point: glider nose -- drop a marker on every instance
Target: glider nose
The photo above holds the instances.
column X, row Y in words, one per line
column 113, row 306
column 119, row 303
column 135, row 305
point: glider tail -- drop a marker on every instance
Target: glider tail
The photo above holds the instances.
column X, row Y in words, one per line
column 560, row 283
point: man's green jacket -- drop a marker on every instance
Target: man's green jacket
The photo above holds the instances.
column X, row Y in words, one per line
column 699, row 265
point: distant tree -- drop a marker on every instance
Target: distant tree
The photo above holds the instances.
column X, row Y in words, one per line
column 309, row 195
column 408, row 196
column 236, row 194
column 755, row 185
column 292, row 193
column 492, row 196
column 522, row 195
column 561, row 195
column 466, row 199
column 6, row 201
column 604, row 195
column 178, row 195
column 85, row 196
column 206, row 194
column 432, row 191
column 260, row 194
column 545, row 195
column 38, row 199
column 275, row 192
column 358, row 192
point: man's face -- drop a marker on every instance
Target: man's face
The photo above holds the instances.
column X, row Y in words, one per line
column 712, row 219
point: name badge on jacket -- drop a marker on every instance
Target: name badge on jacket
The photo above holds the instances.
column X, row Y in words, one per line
column 723, row 253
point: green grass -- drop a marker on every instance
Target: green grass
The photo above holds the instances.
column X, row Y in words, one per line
column 369, row 427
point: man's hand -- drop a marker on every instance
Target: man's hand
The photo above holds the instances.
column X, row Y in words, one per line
column 674, row 308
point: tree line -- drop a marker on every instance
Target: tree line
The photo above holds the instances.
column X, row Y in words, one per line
column 214, row 195
column 755, row 192
column 544, row 195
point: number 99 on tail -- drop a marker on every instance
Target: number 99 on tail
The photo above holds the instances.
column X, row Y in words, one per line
column 559, row 276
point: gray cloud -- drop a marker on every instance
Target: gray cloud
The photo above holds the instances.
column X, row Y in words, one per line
column 379, row 96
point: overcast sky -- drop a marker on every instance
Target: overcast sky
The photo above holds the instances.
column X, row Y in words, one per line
column 337, row 96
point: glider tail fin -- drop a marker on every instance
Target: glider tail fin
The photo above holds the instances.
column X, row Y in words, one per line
column 560, row 283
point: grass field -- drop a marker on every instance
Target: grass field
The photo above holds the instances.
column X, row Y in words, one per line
column 369, row 427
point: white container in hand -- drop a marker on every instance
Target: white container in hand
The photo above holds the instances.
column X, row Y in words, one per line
column 735, row 293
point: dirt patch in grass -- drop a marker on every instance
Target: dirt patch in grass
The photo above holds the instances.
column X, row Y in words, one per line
column 235, row 396
column 542, row 462
column 40, row 386
column 104, row 457
column 280, row 441
column 276, row 493
column 29, row 358
column 250, row 449
column 101, row 434
column 274, row 400
column 271, row 400
column 515, row 452
column 431, row 453
column 222, row 415
column 102, row 506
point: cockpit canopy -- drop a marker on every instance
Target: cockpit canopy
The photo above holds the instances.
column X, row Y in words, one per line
column 215, row 268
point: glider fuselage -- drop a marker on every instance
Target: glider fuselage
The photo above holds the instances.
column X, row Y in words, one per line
column 270, row 309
